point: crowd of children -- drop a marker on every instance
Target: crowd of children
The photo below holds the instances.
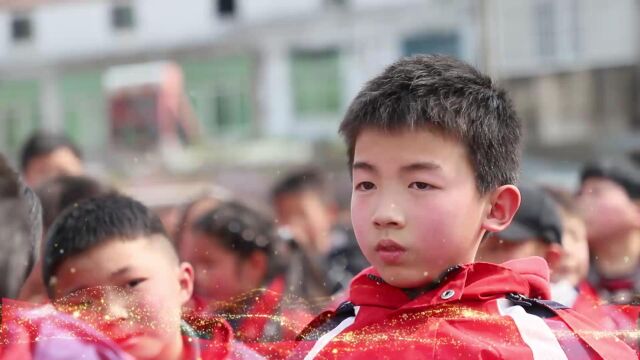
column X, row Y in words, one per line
column 448, row 255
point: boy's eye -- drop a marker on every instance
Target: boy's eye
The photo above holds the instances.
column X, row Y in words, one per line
column 135, row 282
column 419, row 185
column 365, row 186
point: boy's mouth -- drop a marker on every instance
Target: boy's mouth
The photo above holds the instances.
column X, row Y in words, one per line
column 125, row 338
column 128, row 339
column 389, row 251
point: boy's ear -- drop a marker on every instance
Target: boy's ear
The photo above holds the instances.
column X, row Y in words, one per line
column 185, row 278
column 553, row 255
column 504, row 202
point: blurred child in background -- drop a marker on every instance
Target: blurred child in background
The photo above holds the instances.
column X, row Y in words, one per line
column 608, row 199
column 56, row 195
column 109, row 262
column 47, row 155
column 240, row 267
column 307, row 214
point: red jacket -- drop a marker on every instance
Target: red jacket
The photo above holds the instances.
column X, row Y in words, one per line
column 474, row 311
column 267, row 321
column 41, row 332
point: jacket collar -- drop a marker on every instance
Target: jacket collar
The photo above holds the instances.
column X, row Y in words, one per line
column 475, row 281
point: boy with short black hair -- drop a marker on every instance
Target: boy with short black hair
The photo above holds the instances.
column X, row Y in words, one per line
column 434, row 151
column 22, row 324
column 609, row 198
column 109, row 262
column 55, row 196
column 308, row 214
column 46, row 155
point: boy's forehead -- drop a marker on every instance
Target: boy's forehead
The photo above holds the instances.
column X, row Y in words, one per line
column 118, row 253
column 109, row 262
column 415, row 146
column 602, row 183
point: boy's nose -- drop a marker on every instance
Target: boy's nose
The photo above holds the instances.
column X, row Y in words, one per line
column 116, row 307
column 388, row 216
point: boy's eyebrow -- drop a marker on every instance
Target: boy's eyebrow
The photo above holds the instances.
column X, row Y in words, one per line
column 114, row 274
column 424, row 165
column 361, row 165
column 120, row 271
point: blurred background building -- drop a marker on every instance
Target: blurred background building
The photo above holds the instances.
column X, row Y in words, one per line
column 231, row 88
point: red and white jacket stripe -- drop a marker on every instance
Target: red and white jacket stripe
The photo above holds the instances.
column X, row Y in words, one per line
column 474, row 311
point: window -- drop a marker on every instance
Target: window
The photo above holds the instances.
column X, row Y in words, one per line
column 432, row 43
column 226, row 8
column 220, row 91
column 122, row 17
column 17, row 121
column 19, row 112
column 316, row 82
column 21, row 28
column 545, row 22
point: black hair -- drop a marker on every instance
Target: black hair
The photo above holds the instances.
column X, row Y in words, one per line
column 94, row 222
column 243, row 231
column 619, row 170
column 447, row 95
column 42, row 143
column 186, row 213
column 300, row 181
column 20, row 230
column 63, row 191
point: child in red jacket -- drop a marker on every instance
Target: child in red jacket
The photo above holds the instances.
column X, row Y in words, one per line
column 240, row 274
column 548, row 225
column 109, row 262
column 434, row 151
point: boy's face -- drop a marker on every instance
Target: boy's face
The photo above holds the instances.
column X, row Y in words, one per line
column 61, row 161
column 220, row 274
column 574, row 263
column 607, row 209
column 415, row 206
column 308, row 217
column 131, row 290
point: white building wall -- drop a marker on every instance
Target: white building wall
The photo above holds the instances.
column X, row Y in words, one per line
column 5, row 35
column 368, row 33
column 71, row 29
column 588, row 33
column 170, row 23
column 259, row 11
column 610, row 30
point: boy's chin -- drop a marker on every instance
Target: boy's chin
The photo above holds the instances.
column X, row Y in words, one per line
column 405, row 279
column 143, row 348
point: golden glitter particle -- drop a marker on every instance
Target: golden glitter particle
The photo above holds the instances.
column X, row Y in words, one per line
column 76, row 314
